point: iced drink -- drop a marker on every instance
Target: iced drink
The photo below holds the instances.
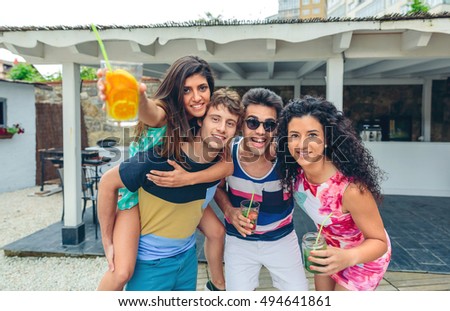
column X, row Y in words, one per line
column 251, row 212
column 309, row 244
column 122, row 92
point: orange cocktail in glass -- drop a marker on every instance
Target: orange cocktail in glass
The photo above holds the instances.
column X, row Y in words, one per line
column 122, row 93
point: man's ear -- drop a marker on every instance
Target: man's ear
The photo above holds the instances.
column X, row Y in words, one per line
column 200, row 121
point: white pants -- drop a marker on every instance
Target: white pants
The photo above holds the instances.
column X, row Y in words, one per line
column 283, row 259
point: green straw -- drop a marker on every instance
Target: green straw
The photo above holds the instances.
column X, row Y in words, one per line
column 250, row 205
column 321, row 227
column 102, row 47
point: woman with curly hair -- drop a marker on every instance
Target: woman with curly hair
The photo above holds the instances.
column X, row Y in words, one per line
column 334, row 179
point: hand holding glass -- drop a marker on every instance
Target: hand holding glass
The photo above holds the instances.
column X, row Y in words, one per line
column 309, row 244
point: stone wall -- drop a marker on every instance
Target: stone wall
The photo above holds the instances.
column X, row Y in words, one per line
column 94, row 116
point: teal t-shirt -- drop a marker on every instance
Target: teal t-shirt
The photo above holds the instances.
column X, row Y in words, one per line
column 152, row 138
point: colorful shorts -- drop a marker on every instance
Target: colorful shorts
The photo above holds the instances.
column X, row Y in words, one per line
column 176, row 273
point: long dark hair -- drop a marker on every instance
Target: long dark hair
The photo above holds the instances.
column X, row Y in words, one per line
column 171, row 92
column 344, row 146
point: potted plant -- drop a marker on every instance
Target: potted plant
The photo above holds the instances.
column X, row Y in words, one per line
column 8, row 132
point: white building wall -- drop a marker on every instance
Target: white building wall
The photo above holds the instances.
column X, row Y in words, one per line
column 413, row 168
column 18, row 154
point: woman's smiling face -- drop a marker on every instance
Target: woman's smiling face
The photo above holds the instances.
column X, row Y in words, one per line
column 196, row 95
column 306, row 140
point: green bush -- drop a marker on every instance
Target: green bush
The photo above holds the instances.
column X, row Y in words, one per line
column 25, row 72
column 416, row 6
column 88, row 73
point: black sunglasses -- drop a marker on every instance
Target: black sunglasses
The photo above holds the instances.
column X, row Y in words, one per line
column 268, row 125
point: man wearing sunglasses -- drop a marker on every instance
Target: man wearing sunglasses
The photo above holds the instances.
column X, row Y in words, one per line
column 273, row 242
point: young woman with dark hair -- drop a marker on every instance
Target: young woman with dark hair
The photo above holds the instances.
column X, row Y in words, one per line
column 167, row 119
column 334, row 179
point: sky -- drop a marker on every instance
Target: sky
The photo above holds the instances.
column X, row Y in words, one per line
column 131, row 12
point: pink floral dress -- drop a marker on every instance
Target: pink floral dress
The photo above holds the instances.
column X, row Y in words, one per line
column 318, row 201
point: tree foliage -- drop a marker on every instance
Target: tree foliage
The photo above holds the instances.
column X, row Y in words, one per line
column 416, row 6
column 209, row 17
column 88, row 73
column 27, row 72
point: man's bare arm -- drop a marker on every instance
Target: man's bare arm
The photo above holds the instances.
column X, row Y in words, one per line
column 233, row 215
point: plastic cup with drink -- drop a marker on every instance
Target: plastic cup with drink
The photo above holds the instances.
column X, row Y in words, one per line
column 250, row 209
column 309, row 244
column 122, row 92
column 122, row 88
column 312, row 241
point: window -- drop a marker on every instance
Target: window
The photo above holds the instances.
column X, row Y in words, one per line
column 440, row 111
column 288, row 5
column 316, row 1
column 332, row 3
column 3, row 112
column 305, row 2
column 316, row 11
column 306, row 12
column 397, row 109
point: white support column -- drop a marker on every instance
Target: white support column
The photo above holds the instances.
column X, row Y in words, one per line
column 335, row 81
column 426, row 109
column 73, row 231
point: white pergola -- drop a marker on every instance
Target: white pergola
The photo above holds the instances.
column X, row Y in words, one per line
column 388, row 50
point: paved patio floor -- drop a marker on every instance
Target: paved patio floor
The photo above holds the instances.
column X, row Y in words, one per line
column 419, row 228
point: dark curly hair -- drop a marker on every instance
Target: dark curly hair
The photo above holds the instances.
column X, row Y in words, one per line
column 344, row 146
